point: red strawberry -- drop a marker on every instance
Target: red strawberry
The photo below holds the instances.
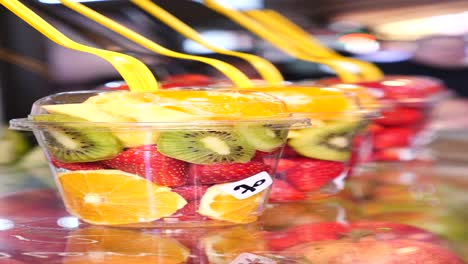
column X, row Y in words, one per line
column 393, row 137
column 393, row 154
column 283, row 191
column 191, row 192
column 147, row 162
column 183, row 80
column 224, row 172
column 400, row 116
column 286, row 164
column 78, row 165
column 374, row 128
column 260, row 155
column 289, row 152
column 310, row 175
column 403, row 87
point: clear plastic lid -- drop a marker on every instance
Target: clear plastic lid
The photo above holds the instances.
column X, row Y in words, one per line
column 322, row 102
column 401, row 88
column 165, row 109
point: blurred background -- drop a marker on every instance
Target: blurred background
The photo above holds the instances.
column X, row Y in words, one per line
column 416, row 37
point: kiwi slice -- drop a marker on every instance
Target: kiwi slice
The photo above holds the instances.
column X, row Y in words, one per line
column 205, row 146
column 331, row 141
column 73, row 143
column 263, row 137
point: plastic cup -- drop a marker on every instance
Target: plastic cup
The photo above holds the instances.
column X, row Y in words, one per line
column 316, row 160
column 170, row 158
column 403, row 130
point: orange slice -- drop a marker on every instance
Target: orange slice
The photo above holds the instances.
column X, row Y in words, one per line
column 113, row 197
column 219, row 205
column 313, row 100
column 204, row 104
column 110, row 245
column 223, row 246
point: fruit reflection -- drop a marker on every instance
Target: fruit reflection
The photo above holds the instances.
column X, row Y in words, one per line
column 107, row 245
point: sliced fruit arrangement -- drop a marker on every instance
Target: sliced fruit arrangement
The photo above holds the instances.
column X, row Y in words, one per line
column 315, row 157
column 71, row 142
column 205, row 147
column 331, row 141
column 113, row 197
column 217, row 204
column 127, row 174
column 408, row 102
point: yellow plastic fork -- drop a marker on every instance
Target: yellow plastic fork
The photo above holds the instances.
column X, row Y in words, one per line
column 236, row 76
column 265, row 68
column 284, row 44
column 134, row 72
column 288, row 28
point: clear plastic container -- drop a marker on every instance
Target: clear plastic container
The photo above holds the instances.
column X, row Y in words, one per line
column 169, row 158
column 316, row 160
column 407, row 104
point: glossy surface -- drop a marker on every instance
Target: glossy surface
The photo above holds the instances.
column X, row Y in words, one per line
column 379, row 210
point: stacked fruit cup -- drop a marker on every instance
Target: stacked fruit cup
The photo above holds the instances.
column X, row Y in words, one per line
column 315, row 160
column 171, row 157
column 407, row 103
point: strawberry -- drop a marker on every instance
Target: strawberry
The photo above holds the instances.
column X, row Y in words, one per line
column 147, row 162
column 289, row 152
column 191, row 192
column 224, row 172
column 311, row 174
column 283, row 191
column 286, row 164
column 78, row 165
column 184, row 80
column 374, row 128
column 393, row 154
column 400, row 116
column 403, row 87
column 393, row 137
column 260, row 155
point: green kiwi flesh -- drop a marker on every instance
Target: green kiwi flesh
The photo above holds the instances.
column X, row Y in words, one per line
column 263, row 137
column 205, row 147
column 331, row 141
column 72, row 143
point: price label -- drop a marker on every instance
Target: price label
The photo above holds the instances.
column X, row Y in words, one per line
column 245, row 188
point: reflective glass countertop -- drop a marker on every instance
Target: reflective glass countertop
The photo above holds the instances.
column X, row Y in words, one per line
column 387, row 214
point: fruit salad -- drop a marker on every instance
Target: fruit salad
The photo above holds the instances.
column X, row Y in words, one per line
column 172, row 157
column 403, row 127
column 316, row 159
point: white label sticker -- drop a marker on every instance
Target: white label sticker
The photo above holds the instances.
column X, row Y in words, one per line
column 248, row 258
column 245, row 188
